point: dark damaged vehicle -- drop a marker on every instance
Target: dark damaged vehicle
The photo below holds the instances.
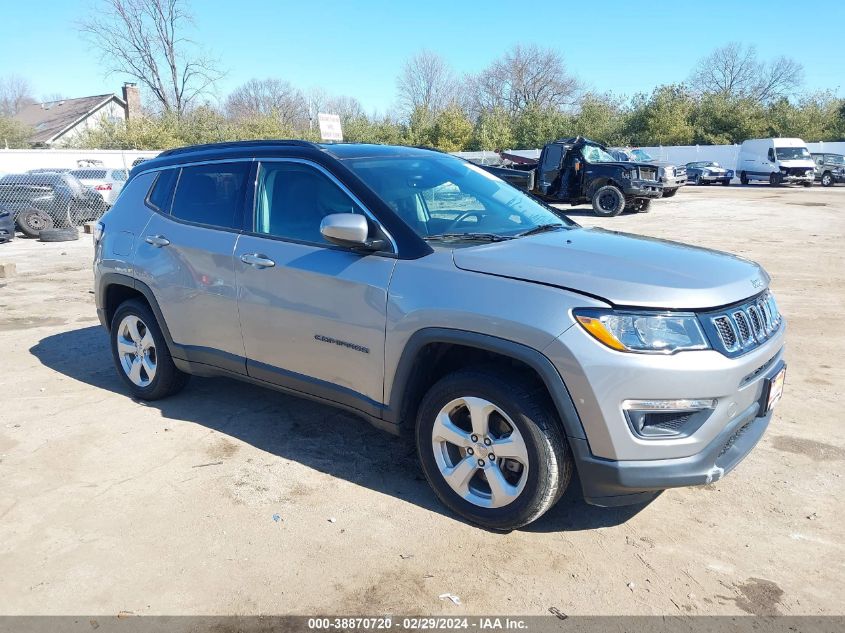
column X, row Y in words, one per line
column 581, row 171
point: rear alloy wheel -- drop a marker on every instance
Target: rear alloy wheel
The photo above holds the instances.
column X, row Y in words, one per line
column 32, row 221
column 140, row 353
column 491, row 448
column 827, row 179
column 608, row 201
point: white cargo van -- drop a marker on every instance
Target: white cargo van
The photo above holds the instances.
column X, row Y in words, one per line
column 776, row 161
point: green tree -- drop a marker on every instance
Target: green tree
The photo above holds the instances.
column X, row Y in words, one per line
column 602, row 118
column 451, row 130
column 14, row 134
column 493, row 131
column 663, row 118
column 536, row 126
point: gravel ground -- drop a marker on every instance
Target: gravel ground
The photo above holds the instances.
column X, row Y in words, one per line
column 232, row 499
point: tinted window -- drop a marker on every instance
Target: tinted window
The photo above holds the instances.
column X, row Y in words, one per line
column 294, row 198
column 162, row 191
column 211, row 194
column 552, row 158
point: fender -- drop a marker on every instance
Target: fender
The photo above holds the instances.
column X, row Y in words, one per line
column 536, row 360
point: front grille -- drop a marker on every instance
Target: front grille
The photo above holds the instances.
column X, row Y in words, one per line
column 743, row 327
column 680, row 172
column 648, row 173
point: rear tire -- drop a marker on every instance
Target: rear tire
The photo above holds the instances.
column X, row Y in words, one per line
column 608, row 201
column 32, row 221
column 469, row 414
column 141, row 355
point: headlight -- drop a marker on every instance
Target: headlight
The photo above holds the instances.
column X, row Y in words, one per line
column 705, row 172
column 644, row 332
column 628, row 174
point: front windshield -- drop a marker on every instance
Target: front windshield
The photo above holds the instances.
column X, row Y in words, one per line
column 792, row 153
column 642, row 156
column 440, row 195
column 595, row 154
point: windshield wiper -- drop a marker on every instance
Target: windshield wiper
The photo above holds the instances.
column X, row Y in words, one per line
column 541, row 229
column 475, row 237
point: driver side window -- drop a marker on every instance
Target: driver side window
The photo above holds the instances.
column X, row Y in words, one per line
column 771, row 155
column 293, row 198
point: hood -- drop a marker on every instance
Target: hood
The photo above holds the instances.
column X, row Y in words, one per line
column 623, row 269
column 798, row 162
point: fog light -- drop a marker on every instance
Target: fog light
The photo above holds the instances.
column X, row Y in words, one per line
column 667, row 418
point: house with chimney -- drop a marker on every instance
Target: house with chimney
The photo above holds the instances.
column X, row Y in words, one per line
column 58, row 123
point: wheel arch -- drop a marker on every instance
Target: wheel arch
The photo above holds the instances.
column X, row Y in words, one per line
column 116, row 288
column 431, row 353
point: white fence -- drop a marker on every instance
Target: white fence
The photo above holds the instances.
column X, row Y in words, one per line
column 16, row 161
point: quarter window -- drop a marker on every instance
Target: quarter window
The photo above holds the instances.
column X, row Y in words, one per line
column 162, row 191
column 211, row 194
column 293, row 198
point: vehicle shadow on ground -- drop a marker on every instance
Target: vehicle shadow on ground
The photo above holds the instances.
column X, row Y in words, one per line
column 323, row 438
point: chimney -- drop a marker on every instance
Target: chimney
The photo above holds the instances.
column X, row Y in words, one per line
column 132, row 97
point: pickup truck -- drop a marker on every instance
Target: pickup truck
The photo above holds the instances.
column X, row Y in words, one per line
column 581, row 171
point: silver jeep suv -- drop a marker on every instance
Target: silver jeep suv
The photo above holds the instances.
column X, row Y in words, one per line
column 435, row 300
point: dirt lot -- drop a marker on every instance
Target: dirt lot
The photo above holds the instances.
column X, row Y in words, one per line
column 110, row 505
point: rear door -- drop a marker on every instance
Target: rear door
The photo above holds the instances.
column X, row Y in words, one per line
column 312, row 314
column 185, row 257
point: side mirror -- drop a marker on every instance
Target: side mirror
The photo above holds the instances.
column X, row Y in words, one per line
column 349, row 229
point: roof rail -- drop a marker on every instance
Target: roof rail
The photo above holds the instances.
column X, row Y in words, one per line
column 233, row 144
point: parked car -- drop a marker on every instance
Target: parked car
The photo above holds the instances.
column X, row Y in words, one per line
column 581, row 171
column 60, row 197
column 7, row 224
column 704, row 172
column 106, row 182
column 419, row 291
column 776, row 161
column 672, row 177
column 829, row 169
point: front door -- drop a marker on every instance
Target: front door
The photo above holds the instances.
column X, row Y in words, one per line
column 312, row 314
column 549, row 169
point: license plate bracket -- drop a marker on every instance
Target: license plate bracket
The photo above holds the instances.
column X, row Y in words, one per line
column 773, row 391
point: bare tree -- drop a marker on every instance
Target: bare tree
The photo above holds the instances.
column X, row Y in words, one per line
column 146, row 39
column 15, row 92
column 426, row 82
column 735, row 71
column 525, row 76
column 268, row 97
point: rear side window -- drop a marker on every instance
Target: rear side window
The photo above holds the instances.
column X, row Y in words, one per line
column 161, row 192
column 211, row 194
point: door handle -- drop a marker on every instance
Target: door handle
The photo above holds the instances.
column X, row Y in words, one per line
column 257, row 260
column 157, row 240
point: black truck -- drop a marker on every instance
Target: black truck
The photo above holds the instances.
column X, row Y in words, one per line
column 581, row 171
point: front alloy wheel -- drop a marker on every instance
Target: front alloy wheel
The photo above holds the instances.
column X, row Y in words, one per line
column 827, row 180
column 491, row 447
column 480, row 452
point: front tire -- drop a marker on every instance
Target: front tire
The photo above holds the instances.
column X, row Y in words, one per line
column 743, row 178
column 491, row 448
column 827, row 179
column 608, row 201
column 774, row 179
column 141, row 355
column 668, row 193
column 639, row 205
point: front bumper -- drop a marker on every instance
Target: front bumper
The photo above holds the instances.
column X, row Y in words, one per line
column 613, row 483
column 790, row 178
column 674, row 182
column 714, row 178
column 636, row 188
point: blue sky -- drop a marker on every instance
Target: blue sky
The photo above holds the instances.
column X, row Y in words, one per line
column 357, row 48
